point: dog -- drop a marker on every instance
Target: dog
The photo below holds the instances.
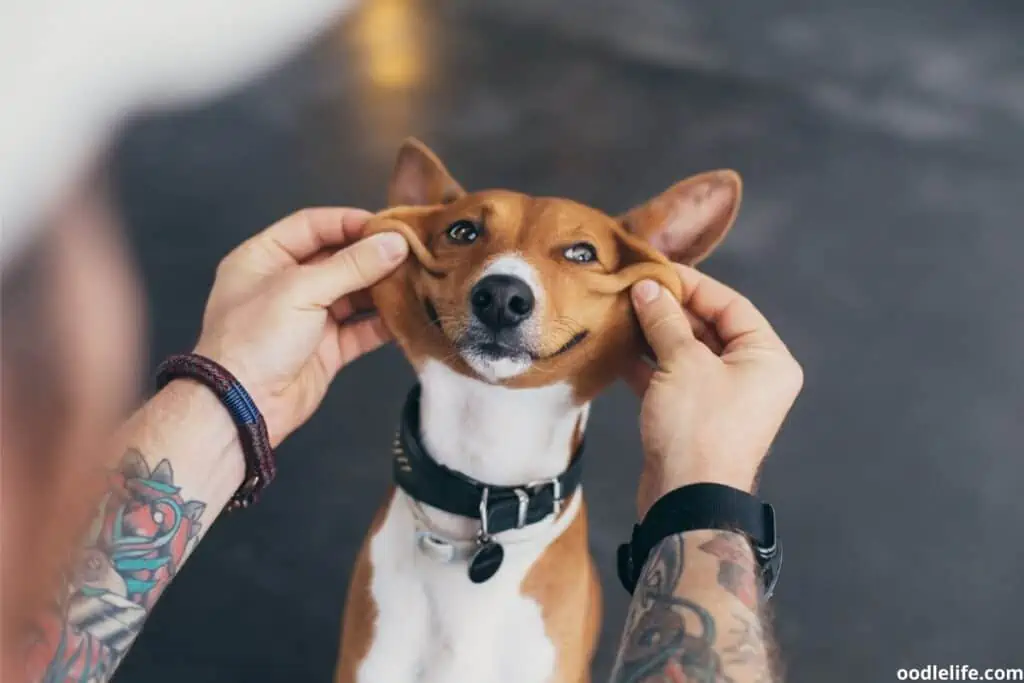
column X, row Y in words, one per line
column 514, row 312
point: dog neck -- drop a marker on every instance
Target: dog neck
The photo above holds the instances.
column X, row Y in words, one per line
column 497, row 435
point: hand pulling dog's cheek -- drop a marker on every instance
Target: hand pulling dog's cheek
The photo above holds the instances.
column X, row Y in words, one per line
column 582, row 328
column 503, row 290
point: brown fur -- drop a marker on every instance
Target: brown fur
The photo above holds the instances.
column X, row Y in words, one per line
column 564, row 583
column 360, row 608
column 682, row 224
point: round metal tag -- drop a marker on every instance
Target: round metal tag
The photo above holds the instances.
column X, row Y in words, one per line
column 485, row 562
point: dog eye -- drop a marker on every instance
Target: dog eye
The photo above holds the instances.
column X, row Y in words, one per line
column 581, row 253
column 463, row 232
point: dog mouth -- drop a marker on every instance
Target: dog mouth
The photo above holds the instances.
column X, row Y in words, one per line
column 492, row 347
column 573, row 342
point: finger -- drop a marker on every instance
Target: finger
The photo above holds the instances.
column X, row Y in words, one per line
column 661, row 318
column 359, row 338
column 353, row 304
column 351, row 269
column 341, row 345
column 302, row 235
column 320, row 256
column 704, row 333
column 638, row 376
column 732, row 316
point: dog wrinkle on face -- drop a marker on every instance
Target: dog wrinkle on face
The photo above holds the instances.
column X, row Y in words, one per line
column 525, row 238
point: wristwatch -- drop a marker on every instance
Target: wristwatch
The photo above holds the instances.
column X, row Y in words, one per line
column 705, row 506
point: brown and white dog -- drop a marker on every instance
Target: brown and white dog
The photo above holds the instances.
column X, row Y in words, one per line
column 514, row 312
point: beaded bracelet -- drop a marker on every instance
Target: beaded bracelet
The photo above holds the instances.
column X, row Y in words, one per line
column 260, row 468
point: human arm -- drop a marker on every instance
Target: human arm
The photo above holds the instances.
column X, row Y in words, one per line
column 279, row 319
column 710, row 411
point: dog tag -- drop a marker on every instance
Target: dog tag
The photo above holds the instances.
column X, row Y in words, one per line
column 486, row 562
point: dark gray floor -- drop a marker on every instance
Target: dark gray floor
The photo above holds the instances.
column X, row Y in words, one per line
column 883, row 151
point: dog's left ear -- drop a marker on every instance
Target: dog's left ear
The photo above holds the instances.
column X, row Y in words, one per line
column 687, row 221
column 420, row 179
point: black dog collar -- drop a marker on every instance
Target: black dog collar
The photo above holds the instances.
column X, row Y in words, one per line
column 499, row 508
column 705, row 506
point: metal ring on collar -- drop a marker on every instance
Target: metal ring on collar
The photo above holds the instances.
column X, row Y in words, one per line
column 524, row 505
column 484, row 532
column 556, row 490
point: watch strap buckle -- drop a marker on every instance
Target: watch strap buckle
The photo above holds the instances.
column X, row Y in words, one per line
column 626, row 562
column 769, row 552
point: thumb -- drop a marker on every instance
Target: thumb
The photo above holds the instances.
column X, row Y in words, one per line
column 662, row 319
column 354, row 268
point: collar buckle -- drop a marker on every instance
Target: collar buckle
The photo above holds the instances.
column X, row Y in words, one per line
column 556, row 491
column 523, row 498
column 521, row 510
column 484, row 513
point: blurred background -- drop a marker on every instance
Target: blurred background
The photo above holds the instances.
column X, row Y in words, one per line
column 882, row 146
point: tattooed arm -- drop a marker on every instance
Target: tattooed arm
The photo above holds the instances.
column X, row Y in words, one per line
column 696, row 615
column 276, row 320
column 182, row 466
column 710, row 411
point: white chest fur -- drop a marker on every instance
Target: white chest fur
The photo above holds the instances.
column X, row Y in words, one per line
column 434, row 625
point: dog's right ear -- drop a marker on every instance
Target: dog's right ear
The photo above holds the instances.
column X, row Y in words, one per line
column 687, row 221
column 420, row 179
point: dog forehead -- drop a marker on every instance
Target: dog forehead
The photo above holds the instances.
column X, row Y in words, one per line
column 556, row 213
column 521, row 219
column 498, row 208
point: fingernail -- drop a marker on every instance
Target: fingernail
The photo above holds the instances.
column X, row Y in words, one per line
column 393, row 246
column 646, row 291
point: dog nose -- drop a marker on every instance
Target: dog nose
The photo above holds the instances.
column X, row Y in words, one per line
column 501, row 301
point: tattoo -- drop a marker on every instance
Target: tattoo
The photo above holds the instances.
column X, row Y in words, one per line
column 748, row 638
column 736, row 571
column 141, row 536
column 671, row 638
column 748, row 647
column 660, row 644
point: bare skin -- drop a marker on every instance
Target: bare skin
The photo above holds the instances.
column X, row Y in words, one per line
column 279, row 319
column 182, row 460
column 710, row 413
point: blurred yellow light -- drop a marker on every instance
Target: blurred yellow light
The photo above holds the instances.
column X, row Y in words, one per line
column 389, row 35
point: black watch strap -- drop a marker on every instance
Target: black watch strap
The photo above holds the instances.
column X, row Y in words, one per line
column 705, row 506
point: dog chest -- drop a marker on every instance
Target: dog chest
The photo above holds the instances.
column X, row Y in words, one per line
column 434, row 625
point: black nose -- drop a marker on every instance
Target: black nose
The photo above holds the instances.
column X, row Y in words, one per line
column 501, row 301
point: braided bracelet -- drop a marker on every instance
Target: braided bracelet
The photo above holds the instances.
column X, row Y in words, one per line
column 260, row 468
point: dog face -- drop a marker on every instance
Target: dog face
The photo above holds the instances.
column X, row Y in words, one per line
column 527, row 291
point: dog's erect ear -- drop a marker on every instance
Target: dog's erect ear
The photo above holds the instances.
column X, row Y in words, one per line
column 420, row 179
column 688, row 220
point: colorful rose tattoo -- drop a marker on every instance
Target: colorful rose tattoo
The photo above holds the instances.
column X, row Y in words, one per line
column 146, row 527
column 145, row 530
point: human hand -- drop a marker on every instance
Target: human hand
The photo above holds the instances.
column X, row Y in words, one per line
column 278, row 317
column 718, row 397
